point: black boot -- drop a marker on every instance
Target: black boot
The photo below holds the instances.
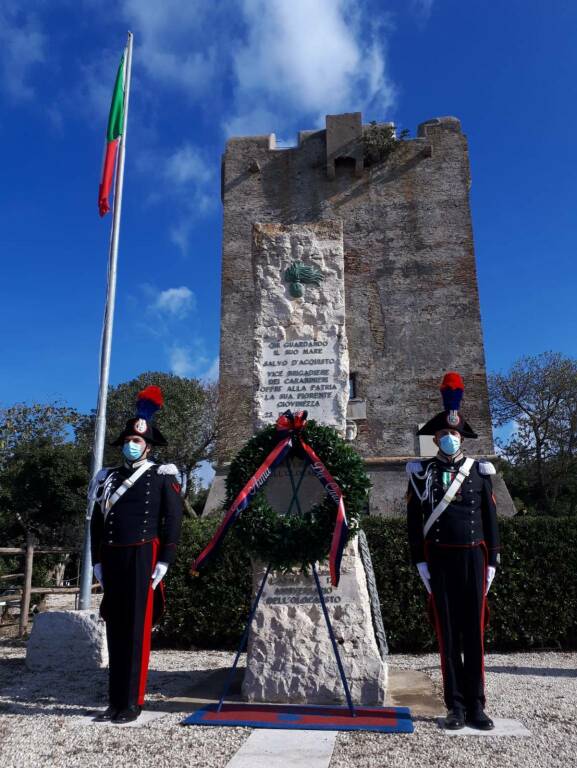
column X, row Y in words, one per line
column 109, row 714
column 455, row 719
column 477, row 718
column 128, row 714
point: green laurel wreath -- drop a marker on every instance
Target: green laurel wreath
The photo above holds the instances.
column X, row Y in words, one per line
column 297, row 540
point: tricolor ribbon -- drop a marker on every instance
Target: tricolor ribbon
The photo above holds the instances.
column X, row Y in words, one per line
column 289, row 429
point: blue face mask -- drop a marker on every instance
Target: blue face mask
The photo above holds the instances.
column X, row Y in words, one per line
column 450, row 444
column 132, row 451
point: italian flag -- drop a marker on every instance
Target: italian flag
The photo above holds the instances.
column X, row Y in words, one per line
column 113, row 134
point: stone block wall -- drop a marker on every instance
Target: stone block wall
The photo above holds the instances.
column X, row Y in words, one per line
column 412, row 304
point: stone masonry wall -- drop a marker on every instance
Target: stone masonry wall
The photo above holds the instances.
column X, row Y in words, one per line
column 412, row 305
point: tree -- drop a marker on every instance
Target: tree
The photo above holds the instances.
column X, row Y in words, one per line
column 43, row 493
column 187, row 421
column 538, row 398
column 43, row 479
column 22, row 424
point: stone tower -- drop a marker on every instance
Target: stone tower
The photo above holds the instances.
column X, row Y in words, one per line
column 411, row 296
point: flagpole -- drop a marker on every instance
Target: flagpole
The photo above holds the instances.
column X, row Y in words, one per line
column 85, row 597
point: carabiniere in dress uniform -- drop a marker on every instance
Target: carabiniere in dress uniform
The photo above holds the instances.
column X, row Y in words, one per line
column 135, row 528
column 454, row 541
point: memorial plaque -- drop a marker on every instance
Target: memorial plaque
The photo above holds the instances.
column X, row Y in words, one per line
column 301, row 353
column 296, row 589
column 300, row 375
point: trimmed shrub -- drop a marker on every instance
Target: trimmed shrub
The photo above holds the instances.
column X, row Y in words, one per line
column 534, row 602
column 533, row 599
column 210, row 610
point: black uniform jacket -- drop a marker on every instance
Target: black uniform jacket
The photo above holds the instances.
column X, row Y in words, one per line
column 470, row 519
column 150, row 509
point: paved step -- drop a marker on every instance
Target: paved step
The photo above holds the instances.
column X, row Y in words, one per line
column 285, row 749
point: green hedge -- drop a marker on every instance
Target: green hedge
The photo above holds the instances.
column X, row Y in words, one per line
column 210, row 610
column 533, row 600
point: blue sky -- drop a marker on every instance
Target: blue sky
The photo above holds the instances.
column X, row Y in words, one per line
column 204, row 71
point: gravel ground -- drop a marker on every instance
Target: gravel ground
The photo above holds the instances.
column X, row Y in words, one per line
column 538, row 689
column 40, row 725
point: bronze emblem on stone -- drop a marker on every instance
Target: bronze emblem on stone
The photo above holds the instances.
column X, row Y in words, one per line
column 298, row 275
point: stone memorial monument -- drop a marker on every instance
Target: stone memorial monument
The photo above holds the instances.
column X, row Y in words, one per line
column 301, row 363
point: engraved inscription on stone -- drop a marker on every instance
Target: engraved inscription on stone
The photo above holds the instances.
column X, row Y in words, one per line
column 289, row 589
column 300, row 375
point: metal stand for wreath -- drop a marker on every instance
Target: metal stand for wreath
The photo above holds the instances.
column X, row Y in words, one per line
column 244, row 639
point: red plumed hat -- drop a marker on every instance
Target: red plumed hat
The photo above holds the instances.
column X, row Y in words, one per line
column 148, row 402
column 452, row 388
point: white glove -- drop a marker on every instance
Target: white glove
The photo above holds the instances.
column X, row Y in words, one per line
column 423, row 569
column 158, row 573
column 491, row 571
column 97, row 570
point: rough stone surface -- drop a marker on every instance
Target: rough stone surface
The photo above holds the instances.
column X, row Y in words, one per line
column 300, row 355
column 409, row 268
column 71, row 640
column 215, row 501
column 290, row 657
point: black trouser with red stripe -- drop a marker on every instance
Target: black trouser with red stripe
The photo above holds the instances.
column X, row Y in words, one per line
column 127, row 609
column 459, row 609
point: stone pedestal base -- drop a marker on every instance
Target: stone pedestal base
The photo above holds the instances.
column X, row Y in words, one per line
column 290, row 656
column 74, row 641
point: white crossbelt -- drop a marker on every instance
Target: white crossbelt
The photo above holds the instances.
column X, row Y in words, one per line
column 452, row 491
column 128, row 483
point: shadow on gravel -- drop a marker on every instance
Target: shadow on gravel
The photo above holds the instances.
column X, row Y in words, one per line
column 58, row 711
column 70, row 695
column 536, row 671
column 424, row 718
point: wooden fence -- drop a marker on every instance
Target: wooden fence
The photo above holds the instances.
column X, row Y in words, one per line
column 28, row 552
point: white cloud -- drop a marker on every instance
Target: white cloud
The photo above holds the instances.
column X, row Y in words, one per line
column 212, row 373
column 250, row 67
column 176, row 41
column 186, row 165
column 180, row 361
column 312, row 59
column 180, row 235
column 190, row 179
column 254, row 121
column 289, row 60
column 22, row 47
column 189, row 211
column 190, row 176
column 188, row 360
column 175, row 302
